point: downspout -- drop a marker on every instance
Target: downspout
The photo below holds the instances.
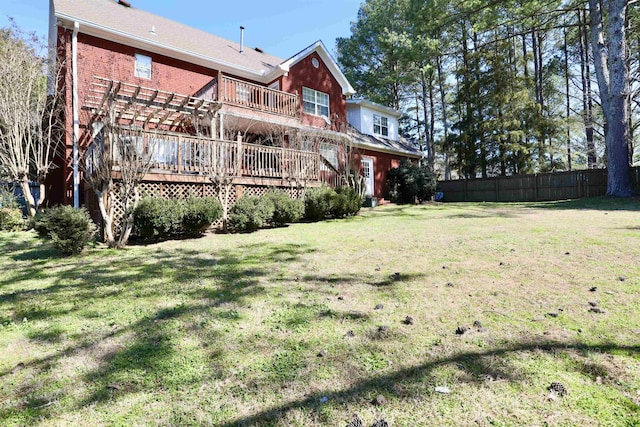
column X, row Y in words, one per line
column 76, row 124
column 53, row 46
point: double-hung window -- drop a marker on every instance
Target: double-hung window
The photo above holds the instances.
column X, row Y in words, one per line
column 380, row 125
column 329, row 152
column 316, row 103
column 143, row 66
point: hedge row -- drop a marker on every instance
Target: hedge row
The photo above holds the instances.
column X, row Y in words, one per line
column 323, row 202
column 275, row 208
column 157, row 218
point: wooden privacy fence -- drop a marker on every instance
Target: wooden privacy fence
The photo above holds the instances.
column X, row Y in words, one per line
column 531, row 188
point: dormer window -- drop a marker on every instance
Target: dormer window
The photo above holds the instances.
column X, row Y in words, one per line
column 143, row 66
column 380, row 125
column 316, row 103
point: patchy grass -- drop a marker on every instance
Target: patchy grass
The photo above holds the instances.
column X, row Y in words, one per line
column 280, row 327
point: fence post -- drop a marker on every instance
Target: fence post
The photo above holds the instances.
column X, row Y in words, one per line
column 466, row 195
column 535, row 187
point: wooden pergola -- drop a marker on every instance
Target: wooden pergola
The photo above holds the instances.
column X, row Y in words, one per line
column 146, row 106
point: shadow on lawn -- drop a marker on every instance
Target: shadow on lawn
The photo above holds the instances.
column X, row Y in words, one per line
column 207, row 280
column 390, row 280
column 592, row 203
column 398, row 384
column 42, row 250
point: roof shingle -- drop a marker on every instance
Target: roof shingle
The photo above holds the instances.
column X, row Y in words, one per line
column 108, row 15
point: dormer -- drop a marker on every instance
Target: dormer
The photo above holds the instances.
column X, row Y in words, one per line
column 373, row 119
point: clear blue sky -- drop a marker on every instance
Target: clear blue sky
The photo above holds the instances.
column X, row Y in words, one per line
column 281, row 28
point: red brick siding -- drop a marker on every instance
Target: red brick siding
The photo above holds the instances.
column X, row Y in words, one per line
column 382, row 163
column 304, row 74
column 98, row 57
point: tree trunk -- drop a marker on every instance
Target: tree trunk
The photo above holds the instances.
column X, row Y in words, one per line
column 587, row 98
column 610, row 56
column 42, row 196
column 28, row 197
column 432, row 123
column 567, row 97
column 107, row 216
column 428, row 142
column 445, row 122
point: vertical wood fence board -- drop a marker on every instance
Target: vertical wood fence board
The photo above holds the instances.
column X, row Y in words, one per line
column 531, row 188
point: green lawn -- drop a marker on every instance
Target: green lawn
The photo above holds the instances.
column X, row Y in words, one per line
column 280, row 327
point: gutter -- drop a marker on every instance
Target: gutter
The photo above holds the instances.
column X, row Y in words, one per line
column 387, row 150
column 75, row 107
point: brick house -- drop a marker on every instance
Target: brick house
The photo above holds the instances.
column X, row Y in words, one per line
column 282, row 122
column 380, row 147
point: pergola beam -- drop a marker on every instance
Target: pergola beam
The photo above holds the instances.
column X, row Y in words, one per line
column 145, row 105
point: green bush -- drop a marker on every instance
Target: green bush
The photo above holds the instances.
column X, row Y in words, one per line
column 70, row 229
column 157, row 218
column 250, row 213
column 345, row 202
column 199, row 214
column 11, row 219
column 410, row 182
column 285, row 209
column 7, row 198
column 317, row 203
column 40, row 223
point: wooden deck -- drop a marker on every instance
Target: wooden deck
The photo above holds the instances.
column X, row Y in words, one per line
column 256, row 97
column 176, row 157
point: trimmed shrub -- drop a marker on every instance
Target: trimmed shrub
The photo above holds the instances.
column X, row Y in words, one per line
column 40, row 223
column 345, row 202
column 199, row 214
column 317, row 203
column 409, row 182
column 70, row 229
column 250, row 213
column 11, row 219
column 156, row 218
column 7, row 198
column 285, row 209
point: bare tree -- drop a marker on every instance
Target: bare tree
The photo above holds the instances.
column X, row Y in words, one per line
column 127, row 151
column 30, row 130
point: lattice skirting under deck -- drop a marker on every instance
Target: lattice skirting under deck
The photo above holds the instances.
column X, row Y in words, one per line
column 170, row 190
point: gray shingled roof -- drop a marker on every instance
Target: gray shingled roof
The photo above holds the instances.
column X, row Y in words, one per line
column 108, row 15
column 377, row 143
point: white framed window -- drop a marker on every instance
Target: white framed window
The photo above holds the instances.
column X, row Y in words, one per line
column 143, row 66
column 380, row 125
column 316, row 103
column 329, row 152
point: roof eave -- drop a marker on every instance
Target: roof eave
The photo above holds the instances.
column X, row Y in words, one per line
column 321, row 49
column 374, row 106
column 132, row 40
column 387, row 150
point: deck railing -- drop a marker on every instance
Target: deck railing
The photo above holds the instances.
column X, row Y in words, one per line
column 238, row 92
column 182, row 154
